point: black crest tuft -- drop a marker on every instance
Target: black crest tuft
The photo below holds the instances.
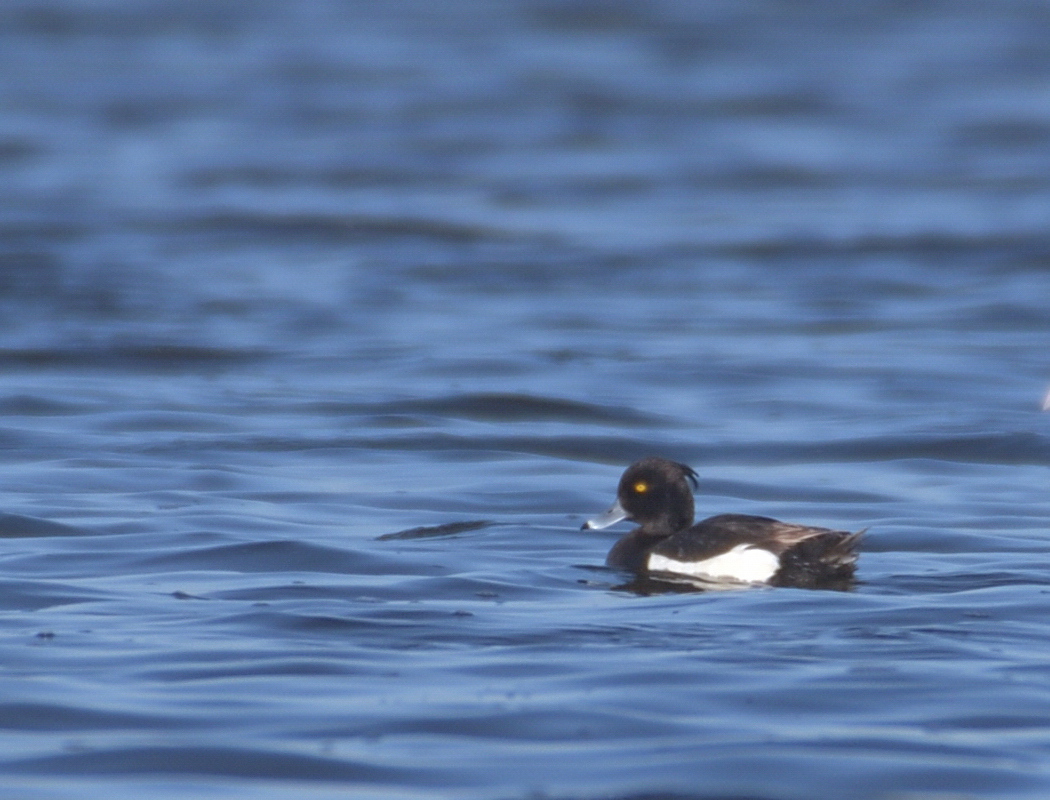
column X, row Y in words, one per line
column 690, row 473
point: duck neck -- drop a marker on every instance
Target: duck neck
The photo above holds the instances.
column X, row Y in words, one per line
column 667, row 524
column 678, row 517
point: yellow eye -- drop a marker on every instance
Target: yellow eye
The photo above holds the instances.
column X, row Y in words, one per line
column 641, row 487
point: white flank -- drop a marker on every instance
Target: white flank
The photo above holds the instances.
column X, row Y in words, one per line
column 742, row 563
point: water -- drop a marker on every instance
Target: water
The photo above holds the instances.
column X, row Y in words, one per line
column 280, row 282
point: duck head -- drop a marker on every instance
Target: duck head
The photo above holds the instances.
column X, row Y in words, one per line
column 655, row 493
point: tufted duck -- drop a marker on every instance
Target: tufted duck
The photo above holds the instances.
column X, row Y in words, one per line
column 655, row 493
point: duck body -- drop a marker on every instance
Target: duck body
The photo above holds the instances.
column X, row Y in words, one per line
column 743, row 548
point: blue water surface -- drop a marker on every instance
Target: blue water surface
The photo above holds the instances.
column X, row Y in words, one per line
column 324, row 326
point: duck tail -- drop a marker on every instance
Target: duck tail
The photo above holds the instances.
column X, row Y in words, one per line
column 825, row 561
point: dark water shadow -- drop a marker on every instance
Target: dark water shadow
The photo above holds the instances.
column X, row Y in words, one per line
column 430, row 531
column 16, row 526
